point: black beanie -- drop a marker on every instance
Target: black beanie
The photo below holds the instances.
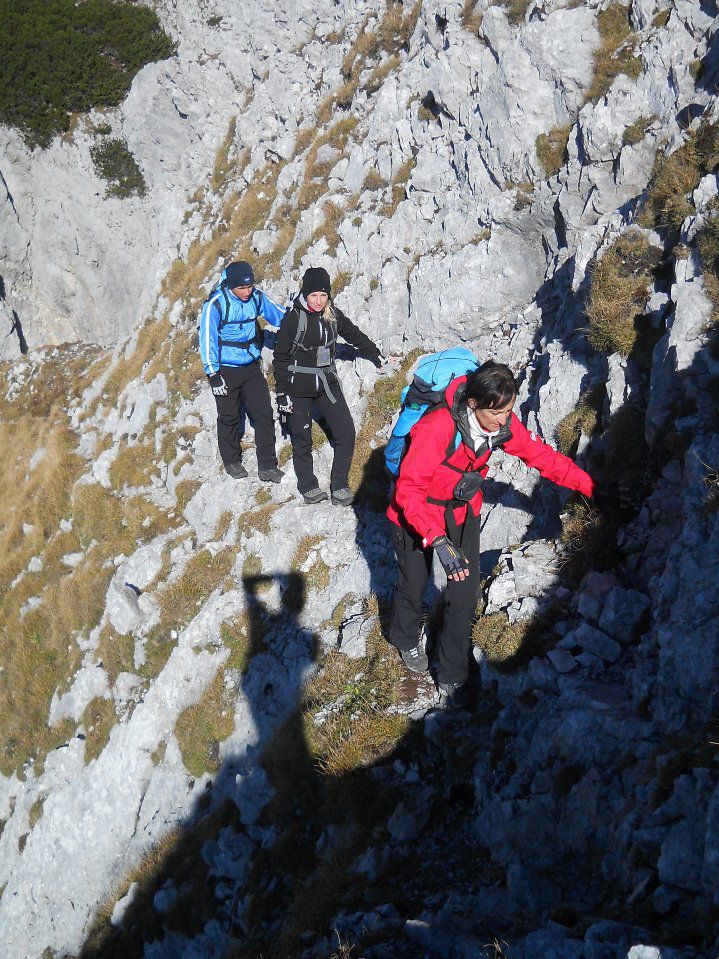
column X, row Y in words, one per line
column 239, row 273
column 316, row 280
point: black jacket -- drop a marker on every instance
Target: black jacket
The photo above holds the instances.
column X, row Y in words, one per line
column 317, row 334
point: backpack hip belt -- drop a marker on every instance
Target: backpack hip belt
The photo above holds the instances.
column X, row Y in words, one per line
column 321, row 373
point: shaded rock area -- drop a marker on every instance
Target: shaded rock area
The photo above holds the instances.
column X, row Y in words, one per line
column 226, row 759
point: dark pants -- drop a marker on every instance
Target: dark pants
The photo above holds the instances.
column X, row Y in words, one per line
column 246, row 385
column 460, row 600
column 339, row 420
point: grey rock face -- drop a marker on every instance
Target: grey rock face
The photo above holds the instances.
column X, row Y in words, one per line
column 572, row 770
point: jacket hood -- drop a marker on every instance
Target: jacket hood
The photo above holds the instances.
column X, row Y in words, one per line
column 454, row 396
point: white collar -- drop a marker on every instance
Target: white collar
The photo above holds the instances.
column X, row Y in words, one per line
column 479, row 435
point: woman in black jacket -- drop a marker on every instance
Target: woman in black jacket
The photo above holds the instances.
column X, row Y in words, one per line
column 306, row 376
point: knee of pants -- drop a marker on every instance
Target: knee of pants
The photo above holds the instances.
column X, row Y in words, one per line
column 301, row 438
column 346, row 437
column 228, row 419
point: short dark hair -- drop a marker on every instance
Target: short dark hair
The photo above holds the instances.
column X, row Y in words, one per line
column 492, row 386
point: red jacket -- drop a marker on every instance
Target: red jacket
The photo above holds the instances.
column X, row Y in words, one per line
column 428, row 473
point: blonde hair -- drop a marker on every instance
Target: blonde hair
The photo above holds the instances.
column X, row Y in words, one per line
column 329, row 314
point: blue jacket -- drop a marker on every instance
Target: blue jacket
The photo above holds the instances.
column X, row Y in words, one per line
column 229, row 333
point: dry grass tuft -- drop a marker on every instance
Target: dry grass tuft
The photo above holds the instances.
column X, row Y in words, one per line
column 38, row 498
column 552, row 149
column 380, row 73
column 222, row 167
column 582, row 421
column 257, row 520
column 98, row 720
column 235, row 635
column 115, row 653
column 707, row 241
column 223, row 524
column 373, row 180
column 133, row 466
column 471, row 18
column 116, row 525
column 589, row 539
column 340, row 281
column 509, row 646
column 184, row 491
column 151, row 342
column 516, row 10
column 252, row 566
column 619, row 292
column 635, row 132
column 180, row 600
column 389, row 208
column 201, row 728
column 359, row 730
column 317, row 577
column 616, row 53
column 675, row 176
column 39, row 654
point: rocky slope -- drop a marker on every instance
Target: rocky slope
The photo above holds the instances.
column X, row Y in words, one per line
column 208, row 750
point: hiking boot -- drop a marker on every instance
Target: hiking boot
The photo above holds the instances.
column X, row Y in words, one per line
column 236, row 470
column 456, row 696
column 342, row 497
column 415, row 659
column 272, row 475
column 315, row 495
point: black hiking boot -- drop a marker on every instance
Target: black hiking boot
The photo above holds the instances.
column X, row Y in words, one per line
column 415, row 659
column 236, row 470
column 272, row 475
column 456, row 696
column 315, row 495
column 342, row 497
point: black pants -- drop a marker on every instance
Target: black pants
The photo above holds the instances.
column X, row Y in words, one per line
column 246, row 385
column 342, row 428
column 460, row 600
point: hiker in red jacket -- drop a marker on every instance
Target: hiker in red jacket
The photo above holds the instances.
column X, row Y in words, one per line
column 435, row 507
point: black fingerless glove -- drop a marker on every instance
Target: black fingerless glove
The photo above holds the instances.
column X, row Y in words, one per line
column 452, row 559
column 217, row 383
column 284, row 405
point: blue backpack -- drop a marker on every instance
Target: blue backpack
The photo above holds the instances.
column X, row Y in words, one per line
column 431, row 376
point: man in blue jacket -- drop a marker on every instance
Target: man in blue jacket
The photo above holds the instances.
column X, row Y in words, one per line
column 231, row 347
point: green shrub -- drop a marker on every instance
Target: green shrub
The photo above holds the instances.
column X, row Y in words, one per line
column 59, row 57
column 115, row 164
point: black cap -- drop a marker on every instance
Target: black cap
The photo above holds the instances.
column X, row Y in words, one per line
column 239, row 273
column 316, row 280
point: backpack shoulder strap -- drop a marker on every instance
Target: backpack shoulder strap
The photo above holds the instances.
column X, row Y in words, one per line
column 224, row 313
column 256, row 302
column 300, row 332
